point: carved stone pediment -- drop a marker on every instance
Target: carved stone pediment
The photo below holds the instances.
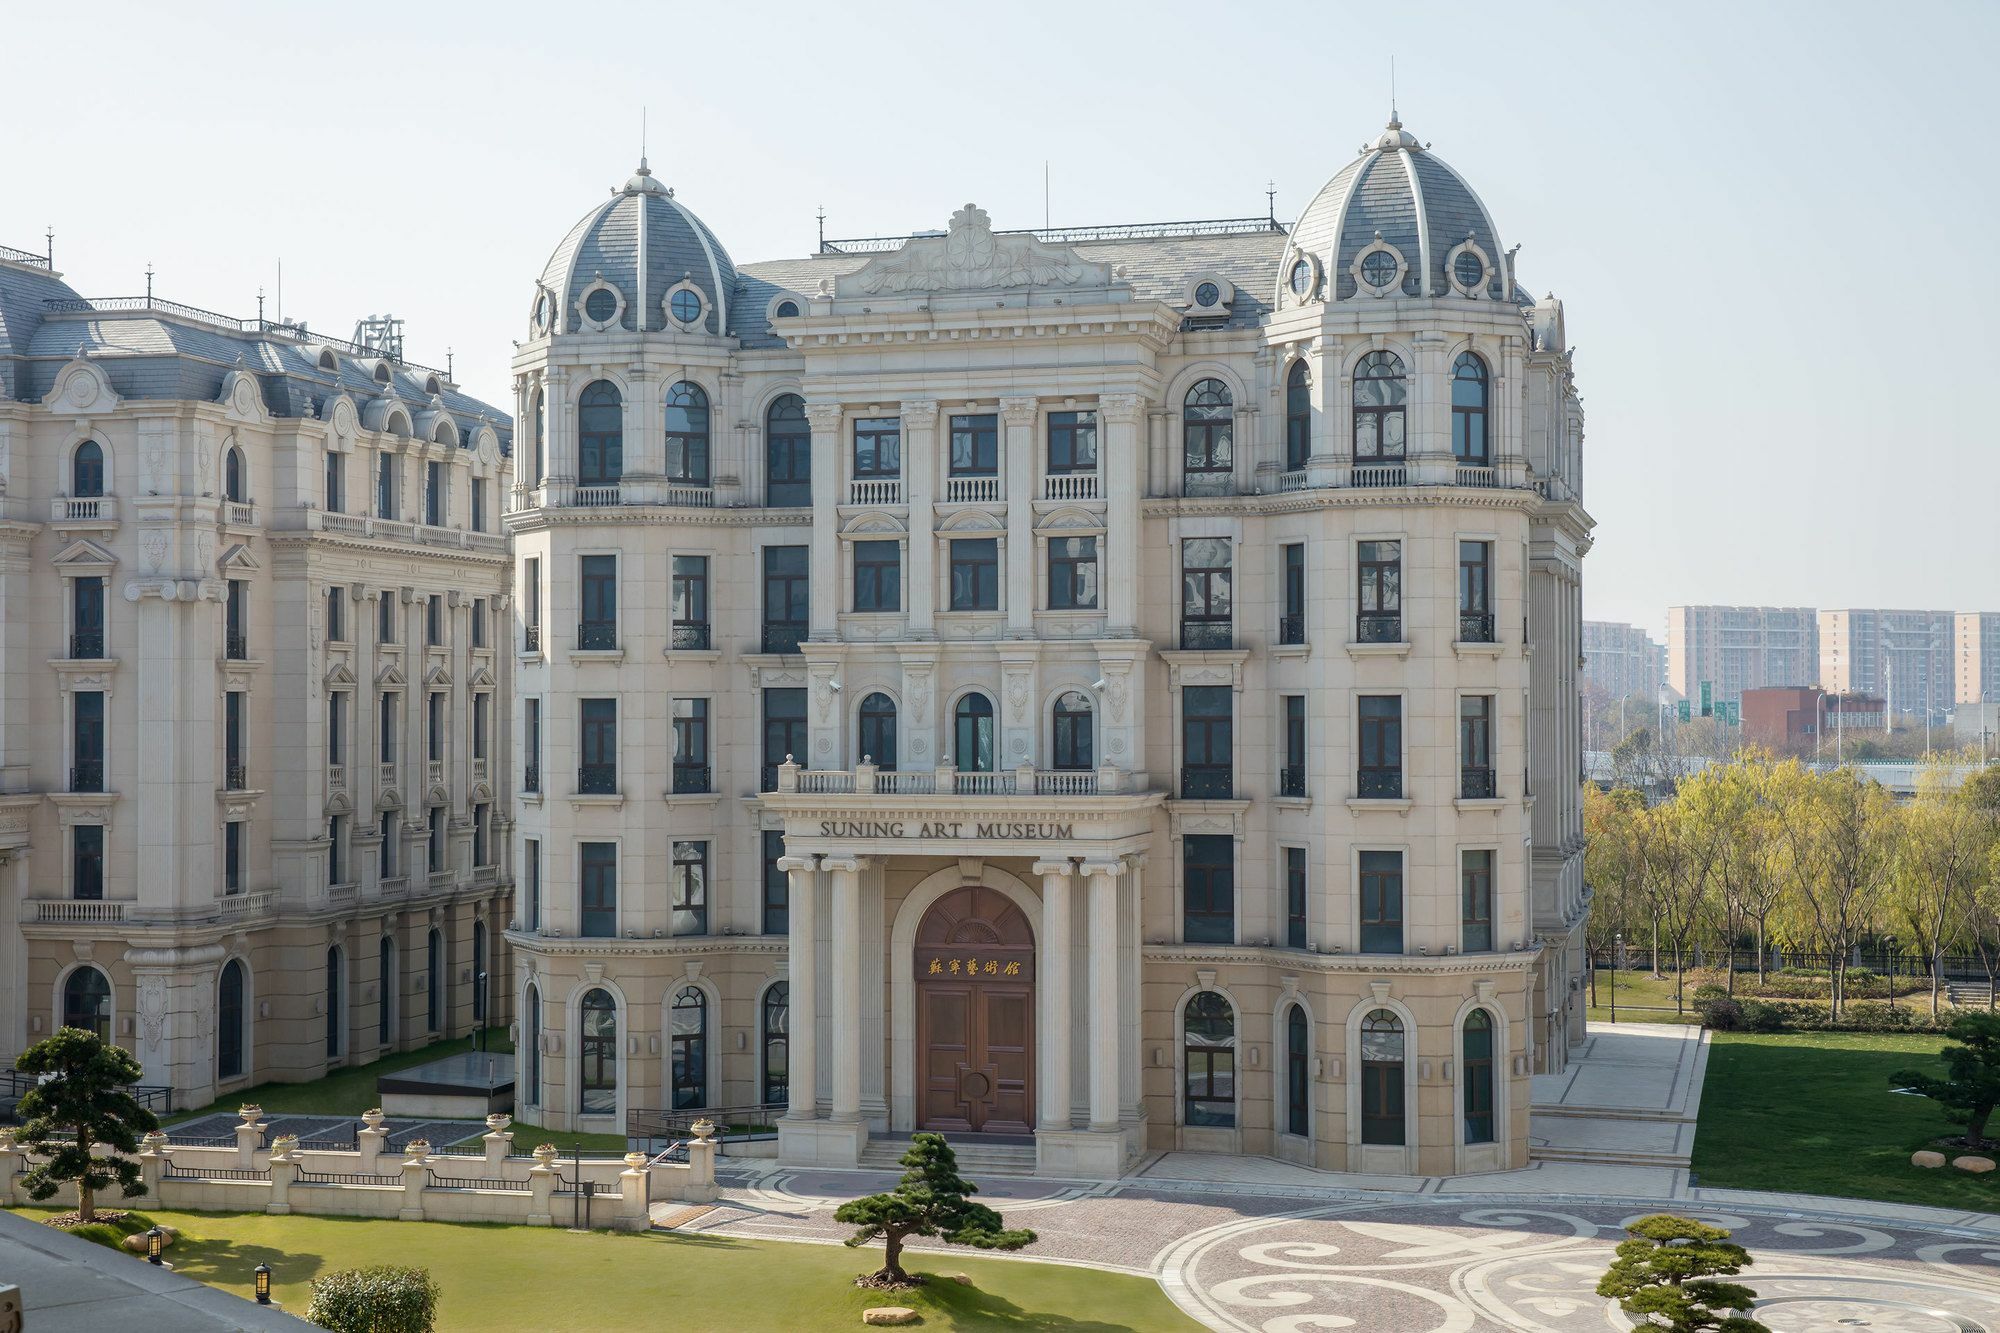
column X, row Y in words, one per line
column 971, row 256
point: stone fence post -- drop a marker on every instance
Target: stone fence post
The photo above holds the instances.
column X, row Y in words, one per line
column 633, row 1205
column 152, row 1165
column 497, row 1140
column 370, row 1141
column 541, row 1188
column 416, row 1173
column 701, row 1164
column 249, row 1136
column 13, row 1162
column 284, row 1172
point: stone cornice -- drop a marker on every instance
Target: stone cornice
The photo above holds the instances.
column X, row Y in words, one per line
column 312, row 541
column 575, row 946
column 536, row 520
column 1375, row 964
column 1341, row 497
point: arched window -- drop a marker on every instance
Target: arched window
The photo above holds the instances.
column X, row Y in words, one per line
column 1468, row 411
column 1298, row 1073
column 233, row 481
column 333, row 1001
column 1209, row 454
column 385, row 985
column 229, row 1022
column 597, row 1048
column 1210, row 1056
column 479, row 973
column 1476, row 1076
column 1380, row 393
column 434, row 973
column 86, row 1002
column 86, row 470
column 787, row 453
column 538, row 443
column 1298, row 416
column 1382, row 1078
column 776, row 1032
column 972, row 734
column 600, row 435
column 1073, row 746
column 690, row 1035
column 877, row 725
column 531, row 1047
column 687, row 434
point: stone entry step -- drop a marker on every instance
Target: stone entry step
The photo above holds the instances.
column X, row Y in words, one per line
column 975, row 1158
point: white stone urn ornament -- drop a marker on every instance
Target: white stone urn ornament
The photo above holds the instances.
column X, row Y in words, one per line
column 417, row 1149
column 284, row 1147
column 498, row 1121
column 703, row 1129
column 545, row 1154
column 251, row 1112
column 373, row 1119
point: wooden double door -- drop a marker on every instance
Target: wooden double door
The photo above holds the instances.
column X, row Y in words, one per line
column 975, row 1015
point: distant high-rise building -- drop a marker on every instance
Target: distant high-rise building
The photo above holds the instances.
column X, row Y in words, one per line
column 1975, row 656
column 1622, row 660
column 1738, row 648
column 1904, row 657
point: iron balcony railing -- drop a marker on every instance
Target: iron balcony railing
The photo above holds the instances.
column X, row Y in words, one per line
column 596, row 636
column 1204, row 783
column 157, row 1098
column 783, row 636
column 88, row 644
column 531, row 777
column 691, row 635
column 1292, row 780
column 1207, row 634
column 767, row 778
column 1476, row 784
column 1379, row 627
column 87, row 776
column 1475, row 627
column 1291, row 630
column 235, row 777
column 236, row 646
column 1207, row 483
column 692, row 779
column 531, row 639
column 1380, row 784
column 597, row 779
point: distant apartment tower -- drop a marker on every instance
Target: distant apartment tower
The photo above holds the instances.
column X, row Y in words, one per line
column 1904, row 657
column 1738, row 648
column 1975, row 656
column 1622, row 660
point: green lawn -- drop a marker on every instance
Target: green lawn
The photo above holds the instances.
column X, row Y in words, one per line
column 537, row 1278
column 1813, row 1113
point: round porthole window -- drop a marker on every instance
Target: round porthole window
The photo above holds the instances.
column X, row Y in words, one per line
column 542, row 311
column 1302, row 278
column 1207, row 294
column 600, row 305
column 1468, row 269
column 686, row 306
column 787, row 310
column 1378, row 268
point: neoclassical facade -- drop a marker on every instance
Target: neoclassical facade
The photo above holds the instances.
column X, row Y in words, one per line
column 253, row 599
column 1106, row 690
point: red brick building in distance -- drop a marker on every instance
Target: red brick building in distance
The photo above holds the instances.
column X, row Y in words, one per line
column 1787, row 718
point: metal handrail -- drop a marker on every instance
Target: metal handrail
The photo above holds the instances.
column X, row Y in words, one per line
column 213, row 1173
column 13, row 256
column 347, row 1178
column 760, row 1120
column 109, row 305
column 857, row 245
column 437, row 1181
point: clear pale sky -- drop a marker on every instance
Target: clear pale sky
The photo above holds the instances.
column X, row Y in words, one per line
column 1776, row 227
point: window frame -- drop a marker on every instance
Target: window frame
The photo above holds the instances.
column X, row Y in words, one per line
column 1207, row 1061
column 972, row 574
column 877, row 582
column 979, row 435
column 1208, row 898
column 597, row 888
column 1381, row 901
column 884, row 455
column 1375, row 408
column 1070, row 427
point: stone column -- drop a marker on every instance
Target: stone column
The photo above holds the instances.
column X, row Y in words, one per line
column 152, row 1164
column 1019, row 470
column 369, row 1142
column 1058, row 1013
column 1121, row 475
column 497, row 1140
column 1103, row 1002
column 920, row 489
column 844, row 952
column 249, row 1137
column 284, row 1171
column 802, row 1033
column 416, row 1174
column 633, row 1205
column 827, row 484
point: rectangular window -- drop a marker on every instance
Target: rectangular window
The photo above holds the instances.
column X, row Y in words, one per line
column 336, row 727
column 975, row 574
column 86, row 861
column 235, row 776
column 1295, row 897
column 1208, row 866
column 1475, row 592
column 788, row 458
column 336, row 849
column 385, row 855
column 385, row 486
column 777, row 886
column 434, row 493
column 1292, row 775
column 784, row 731
column 878, row 576
column 87, row 741
column 531, row 745
column 1207, row 597
column 1475, row 747
column 336, row 617
column 479, row 723
column 975, row 445
column 878, row 447
column 1475, row 921
column 235, row 622
column 690, row 602
column 482, row 825
column 1379, row 775
column 531, row 604
column 531, row 882
column 597, row 740
column 385, row 716
column 434, row 726
column 434, row 621
column 478, row 505
column 479, row 622
column 336, row 483
column 1292, row 616
column 1073, row 574
column 691, row 768
column 1207, row 743
column 1379, row 599
column 232, row 857
column 385, row 616
column 598, row 889
column 1381, row 902
column 690, row 905
column 597, row 606
column 86, row 621
column 787, row 597
column 437, row 848
column 1072, row 442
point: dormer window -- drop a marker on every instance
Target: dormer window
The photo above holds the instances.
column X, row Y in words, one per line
column 1302, row 278
column 1207, row 295
column 686, row 306
column 787, row 310
column 1467, row 269
column 1378, row 268
column 381, row 372
column 600, row 305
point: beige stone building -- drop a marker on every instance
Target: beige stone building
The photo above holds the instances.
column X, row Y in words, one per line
column 1976, row 657
column 253, row 598
column 1904, row 657
column 1069, row 689
column 1738, row 648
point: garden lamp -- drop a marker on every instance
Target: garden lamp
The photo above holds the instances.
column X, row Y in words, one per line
column 263, row 1272
column 156, row 1244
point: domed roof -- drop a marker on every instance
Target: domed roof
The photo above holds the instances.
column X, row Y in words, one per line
column 604, row 248
column 1398, row 194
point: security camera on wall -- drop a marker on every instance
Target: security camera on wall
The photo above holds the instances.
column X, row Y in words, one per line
column 1097, row 684
column 833, row 685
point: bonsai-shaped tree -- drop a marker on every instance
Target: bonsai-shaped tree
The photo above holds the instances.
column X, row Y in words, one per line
column 930, row 1200
column 85, row 1102
column 1970, row 1088
column 1664, row 1275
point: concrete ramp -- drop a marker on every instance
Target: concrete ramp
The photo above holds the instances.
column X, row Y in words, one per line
column 1629, row 1097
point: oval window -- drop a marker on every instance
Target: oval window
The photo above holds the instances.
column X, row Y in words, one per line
column 1302, row 278
column 1467, row 269
column 1207, row 294
column 686, row 306
column 1378, row 268
column 600, row 305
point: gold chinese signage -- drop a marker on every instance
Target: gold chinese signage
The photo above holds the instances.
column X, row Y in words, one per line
column 963, row 964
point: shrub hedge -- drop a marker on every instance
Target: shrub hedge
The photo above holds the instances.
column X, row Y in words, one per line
column 386, row 1299
column 1726, row 1015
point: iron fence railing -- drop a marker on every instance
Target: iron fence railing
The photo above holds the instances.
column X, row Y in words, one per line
column 348, row 1178
column 174, row 1172
column 691, row 635
column 782, row 637
column 862, row 245
column 692, row 779
column 597, row 779
column 437, row 1181
column 1475, row 627
column 531, row 639
column 1476, row 784
column 88, row 645
column 1291, row 630
column 1292, row 780
column 596, row 637
column 732, row 1123
column 1207, row 634
column 1207, row 784
column 1379, row 627
column 1380, row 784
column 86, row 777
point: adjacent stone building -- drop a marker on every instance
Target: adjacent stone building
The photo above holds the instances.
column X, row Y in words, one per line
column 1108, row 690
column 253, row 620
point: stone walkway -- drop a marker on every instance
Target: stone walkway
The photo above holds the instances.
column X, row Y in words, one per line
column 1629, row 1095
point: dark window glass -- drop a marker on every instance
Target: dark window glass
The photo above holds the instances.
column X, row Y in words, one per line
column 777, row 885
column 1476, row 902
column 786, row 310
column 597, row 1050
column 336, row 727
column 975, row 574
column 434, row 621
column 690, row 900
column 1072, row 442
column 600, row 435
column 336, row 849
column 877, row 727
column 479, row 622
column 878, row 576
column 690, row 601
column 87, row 617
column 1378, row 268
column 236, row 621
column 434, row 726
column 1475, row 592
column 232, row 476
column 972, row 734
column 434, row 976
column 1209, row 1057
column 1208, row 451
column 436, row 845
column 385, row 486
column 1381, row 902
column 1207, row 743
column 597, row 615
column 336, row 483
column 1476, row 1076
column 690, row 1037
column 1380, row 394
column 385, row 855
column 1382, row 1078
column 1074, row 742
column 788, row 453
column 433, row 492
column 774, row 1029
column 1292, row 775
column 86, row 861
column 87, row 1002
column 687, row 429
column 232, row 857
column 531, row 1049
column 787, row 597
column 229, row 1018
column 1295, row 897
column 1468, row 408
column 1468, row 270
column 1073, row 574
column 478, row 505
column 784, row 731
column 1379, row 592
column 480, row 711
column 233, row 775
column 531, row 881
column 975, row 445
column 538, row 455
column 87, row 740
column 600, row 305
column 1475, row 747
column 1298, row 416
column 691, row 767
column 1207, row 294
column 1380, row 773
column 1207, row 592
column 597, row 737
column 336, row 614
column 385, row 987
column 878, row 447
column 1292, row 618
column 686, row 306
column 87, row 471
column 1208, row 867
column 385, row 614
column 598, row 889
column 1298, row 1073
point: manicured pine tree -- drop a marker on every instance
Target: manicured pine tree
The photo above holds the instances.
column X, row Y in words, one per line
column 930, row 1200
column 1664, row 1275
column 86, row 1102
column 1970, row 1088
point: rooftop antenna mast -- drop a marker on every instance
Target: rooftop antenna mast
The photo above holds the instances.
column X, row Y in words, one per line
column 1045, row 194
column 1271, row 201
column 821, row 216
column 642, row 136
column 51, row 244
column 1392, row 89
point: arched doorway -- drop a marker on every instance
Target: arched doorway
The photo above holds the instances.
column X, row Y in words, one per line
column 975, row 961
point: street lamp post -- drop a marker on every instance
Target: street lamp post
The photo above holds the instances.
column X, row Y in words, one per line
column 1617, row 948
column 485, row 1001
column 262, row 1274
column 1889, row 966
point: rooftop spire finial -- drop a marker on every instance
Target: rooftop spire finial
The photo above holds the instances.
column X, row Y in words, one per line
column 1395, row 121
column 642, row 142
